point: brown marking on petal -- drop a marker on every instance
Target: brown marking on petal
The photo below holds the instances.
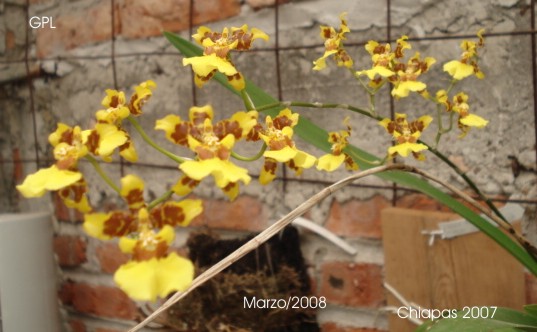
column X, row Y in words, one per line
column 229, row 187
column 398, row 51
column 333, row 137
column 119, row 224
column 343, row 56
column 222, row 52
column 67, row 162
column 235, row 77
column 337, row 149
column 206, row 78
column 327, row 32
column 379, row 49
column 223, row 153
column 152, row 250
column 93, row 141
column 391, row 127
column 191, row 183
column 114, row 102
column 291, row 164
column 270, row 166
column 349, row 162
column 281, row 122
column 276, row 145
column 136, row 103
column 399, row 67
column 253, row 135
column 204, row 153
column 225, row 127
column 167, row 214
column 75, row 191
column 173, row 215
column 198, row 118
column 245, row 42
column 134, row 196
column 180, row 133
column 67, row 137
column 126, row 145
column 416, row 126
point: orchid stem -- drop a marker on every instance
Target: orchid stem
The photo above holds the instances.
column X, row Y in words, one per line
column 159, row 200
column 466, row 179
column 248, row 103
column 257, row 156
column 102, row 173
column 149, row 141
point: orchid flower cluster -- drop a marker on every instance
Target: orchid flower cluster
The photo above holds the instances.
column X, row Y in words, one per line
column 146, row 230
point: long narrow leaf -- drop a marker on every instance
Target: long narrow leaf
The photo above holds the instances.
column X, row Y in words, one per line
column 319, row 138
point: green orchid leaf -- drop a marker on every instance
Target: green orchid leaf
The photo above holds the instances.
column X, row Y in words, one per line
column 318, row 137
column 531, row 309
column 501, row 320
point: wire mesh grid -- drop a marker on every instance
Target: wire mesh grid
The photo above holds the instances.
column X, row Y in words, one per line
column 277, row 50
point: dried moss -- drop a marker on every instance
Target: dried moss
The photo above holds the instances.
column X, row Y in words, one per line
column 276, row 270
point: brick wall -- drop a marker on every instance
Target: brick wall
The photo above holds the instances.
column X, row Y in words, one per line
column 71, row 66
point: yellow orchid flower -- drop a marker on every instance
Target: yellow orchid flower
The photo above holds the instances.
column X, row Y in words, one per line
column 121, row 223
column 466, row 119
column 116, row 108
column 51, row 179
column 223, row 171
column 104, row 139
column 74, row 196
column 212, row 145
column 406, row 79
column 152, row 272
column 132, row 191
column 334, row 45
column 406, row 135
column 330, row 162
column 216, row 53
column 69, row 147
column 281, row 148
column 388, row 67
column 142, row 93
column 184, row 186
column 468, row 64
column 206, row 66
column 146, row 280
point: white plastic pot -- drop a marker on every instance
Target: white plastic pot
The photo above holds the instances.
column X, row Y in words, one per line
column 28, row 299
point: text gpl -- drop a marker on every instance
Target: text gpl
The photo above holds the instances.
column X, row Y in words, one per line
column 42, row 22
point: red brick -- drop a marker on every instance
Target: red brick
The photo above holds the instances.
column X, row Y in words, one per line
column 66, row 293
column 421, row 202
column 357, row 218
column 531, row 289
column 63, row 213
column 77, row 325
column 76, row 28
column 10, row 40
column 145, row 18
column 245, row 213
column 258, row 4
column 103, row 301
column 100, row 329
column 17, row 165
column 110, row 257
column 335, row 327
column 71, row 250
column 351, row 284
column 425, row 203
